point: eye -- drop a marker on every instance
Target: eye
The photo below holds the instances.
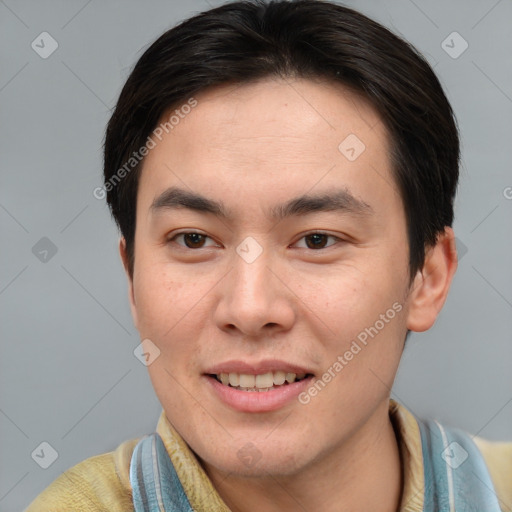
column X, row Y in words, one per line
column 192, row 240
column 318, row 240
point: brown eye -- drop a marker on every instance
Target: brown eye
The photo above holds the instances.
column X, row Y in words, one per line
column 193, row 240
column 316, row 240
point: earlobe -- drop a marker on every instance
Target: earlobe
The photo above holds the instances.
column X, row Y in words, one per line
column 131, row 293
column 431, row 284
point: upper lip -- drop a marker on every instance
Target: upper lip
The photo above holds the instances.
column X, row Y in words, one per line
column 265, row 366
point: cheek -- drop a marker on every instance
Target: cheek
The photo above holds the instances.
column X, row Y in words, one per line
column 354, row 297
column 164, row 303
column 364, row 311
column 174, row 310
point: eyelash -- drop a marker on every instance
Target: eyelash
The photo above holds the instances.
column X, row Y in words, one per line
column 172, row 239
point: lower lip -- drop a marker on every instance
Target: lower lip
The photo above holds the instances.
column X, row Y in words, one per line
column 258, row 401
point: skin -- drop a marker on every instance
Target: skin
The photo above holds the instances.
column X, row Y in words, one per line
column 253, row 147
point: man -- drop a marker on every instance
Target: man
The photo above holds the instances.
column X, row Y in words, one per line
column 283, row 177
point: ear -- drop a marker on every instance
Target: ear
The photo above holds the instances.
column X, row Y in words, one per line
column 131, row 293
column 432, row 283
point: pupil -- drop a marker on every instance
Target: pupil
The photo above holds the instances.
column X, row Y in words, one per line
column 193, row 238
column 318, row 239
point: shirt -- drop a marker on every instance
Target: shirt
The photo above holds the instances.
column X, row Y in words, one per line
column 102, row 483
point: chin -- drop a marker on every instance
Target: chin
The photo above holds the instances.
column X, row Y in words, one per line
column 251, row 462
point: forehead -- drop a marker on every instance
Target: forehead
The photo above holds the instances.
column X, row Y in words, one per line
column 278, row 113
column 270, row 137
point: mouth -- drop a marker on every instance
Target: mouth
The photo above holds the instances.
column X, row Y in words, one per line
column 260, row 383
column 254, row 387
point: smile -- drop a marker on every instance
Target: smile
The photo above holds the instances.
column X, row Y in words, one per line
column 259, row 383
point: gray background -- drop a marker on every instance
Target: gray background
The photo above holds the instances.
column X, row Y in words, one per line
column 68, row 375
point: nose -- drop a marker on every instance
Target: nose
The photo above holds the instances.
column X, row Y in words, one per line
column 255, row 301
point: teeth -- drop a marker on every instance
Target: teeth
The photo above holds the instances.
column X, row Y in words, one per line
column 262, row 382
column 265, row 381
column 247, row 381
column 279, row 378
column 290, row 377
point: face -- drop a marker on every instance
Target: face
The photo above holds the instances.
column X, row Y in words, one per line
column 256, row 284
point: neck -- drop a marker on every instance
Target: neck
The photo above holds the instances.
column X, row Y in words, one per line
column 364, row 473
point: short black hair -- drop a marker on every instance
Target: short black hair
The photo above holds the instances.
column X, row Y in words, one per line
column 244, row 41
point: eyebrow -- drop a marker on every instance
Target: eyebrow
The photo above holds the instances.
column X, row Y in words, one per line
column 336, row 200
